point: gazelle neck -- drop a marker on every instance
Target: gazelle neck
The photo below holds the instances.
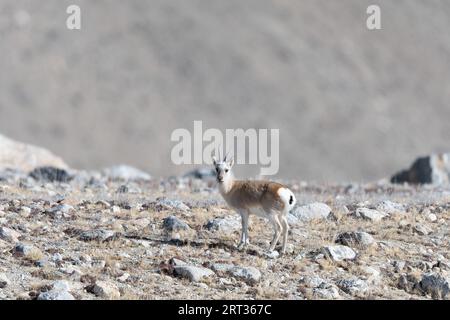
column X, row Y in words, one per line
column 226, row 186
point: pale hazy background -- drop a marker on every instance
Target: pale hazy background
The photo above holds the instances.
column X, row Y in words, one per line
column 351, row 104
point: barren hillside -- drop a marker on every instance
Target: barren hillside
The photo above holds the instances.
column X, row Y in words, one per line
column 351, row 104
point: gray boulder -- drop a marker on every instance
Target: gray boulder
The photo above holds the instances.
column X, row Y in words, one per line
column 105, row 290
column 9, row 235
column 355, row 239
column 193, row 273
column 370, row 214
column 172, row 223
column 435, row 285
column 17, row 155
column 4, row 281
column 125, row 173
column 163, row 203
column 98, row 235
column 228, row 224
column 250, row 275
column 60, row 291
column 311, row 211
column 432, row 169
column 339, row 252
column 201, row 173
column 50, row 174
column 353, row 286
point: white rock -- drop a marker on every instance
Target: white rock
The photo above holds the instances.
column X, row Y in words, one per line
column 353, row 286
column 422, row 229
column 370, row 214
column 390, row 207
column 115, row 209
column 228, row 224
column 326, row 291
column 4, row 281
column 272, row 254
column 311, row 211
column 193, row 273
column 55, row 295
column 26, row 157
column 358, row 239
column 9, row 235
column 60, row 291
column 431, row 217
column 124, row 277
column 124, row 172
column 248, row 274
column 339, row 253
column 106, row 290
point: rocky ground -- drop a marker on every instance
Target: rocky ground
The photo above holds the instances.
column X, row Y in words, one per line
column 119, row 234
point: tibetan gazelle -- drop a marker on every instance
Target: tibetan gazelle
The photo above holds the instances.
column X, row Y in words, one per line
column 267, row 199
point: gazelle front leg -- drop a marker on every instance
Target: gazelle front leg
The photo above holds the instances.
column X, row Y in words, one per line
column 244, row 234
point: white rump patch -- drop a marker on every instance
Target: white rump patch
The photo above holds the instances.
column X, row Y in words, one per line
column 285, row 195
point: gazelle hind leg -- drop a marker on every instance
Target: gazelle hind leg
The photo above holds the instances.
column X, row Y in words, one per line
column 277, row 230
column 285, row 225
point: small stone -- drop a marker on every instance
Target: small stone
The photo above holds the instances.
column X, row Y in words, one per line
column 371, row 214
column 435, row 285
column 339, row 253
column 60, row 291
column 124, row 277
column 193, row 273
column 311, row 281
column 226, row 225
column 60, row 210
column 126, row 173
column 201, row 173
column 311, row 211
column 50, row 174
column 399, row 266
column 422, row 229
column 163, row 203
column 106, row 290
column 431, row 217
column 4, row 281
column 248, row 274
column 390, row 207
column 25, row 212
column 172, row 223
column 357, row 239
column 55, row 295
column 433, row 169
column 103, row 204
column 9, row 235
column 353, row 286
column 98, row 235
column 272, row 254
column 371, row 274
column 115, row 209
column 27, row 251
column 326, row 291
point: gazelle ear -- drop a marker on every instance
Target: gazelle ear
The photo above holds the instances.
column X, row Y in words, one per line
column 214, row 160
column 231, row 162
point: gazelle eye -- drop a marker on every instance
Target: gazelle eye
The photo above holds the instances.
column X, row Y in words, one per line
column 217, row 169
column 226, row 170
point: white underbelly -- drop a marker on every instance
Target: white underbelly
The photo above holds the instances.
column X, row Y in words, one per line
column 258, row 211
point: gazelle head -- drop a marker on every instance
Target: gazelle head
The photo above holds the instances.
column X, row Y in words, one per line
column 223, row 169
